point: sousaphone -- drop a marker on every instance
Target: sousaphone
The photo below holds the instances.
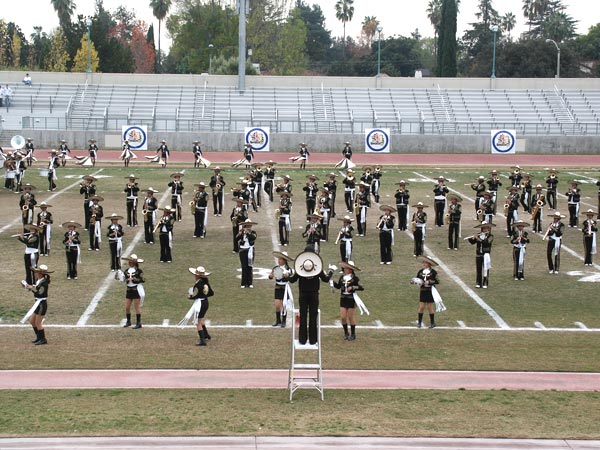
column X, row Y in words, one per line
column 17, row 142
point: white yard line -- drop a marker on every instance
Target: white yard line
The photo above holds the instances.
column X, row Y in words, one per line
column 52, row 196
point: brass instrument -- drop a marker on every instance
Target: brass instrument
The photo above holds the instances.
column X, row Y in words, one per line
column 277, row 213
column 145, row 214
column 506, row 204
column 159, row 223
column 192, row 204
column 536, row 209
column 480, row 215
column 447, row 218
column 413, row 226
column 522, row 184
column 550, row 228
column 93, row 210
column 381, row 221
column 217, row 187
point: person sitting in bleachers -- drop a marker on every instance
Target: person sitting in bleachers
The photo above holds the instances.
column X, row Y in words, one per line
column 27, row 80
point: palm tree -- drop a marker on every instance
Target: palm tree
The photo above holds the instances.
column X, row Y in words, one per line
column 160, row 9
column 508, row 22
column 434, row 14
column 64, row 10
column 369, row 28
column 344, row 11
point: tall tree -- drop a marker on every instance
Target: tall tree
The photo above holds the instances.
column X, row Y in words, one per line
column 17, row 44
column 318, row 38
column 434, row 14
column 142, row 50
column 160, row 9
column 64, row 10
column 447, row 40
column 369, row 28
column 344, row 12
column 40, row 48
column 508, row 22
column 80, row 62
column 548, row 19
column 58, row 59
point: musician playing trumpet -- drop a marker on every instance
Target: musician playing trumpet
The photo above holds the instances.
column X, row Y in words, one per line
column 573, row 201
column 165, row 233
column 44, row 222
column 538, row 201
column 87, row 188
column 494, row 185
column 285, row 186
column 238, row 215
column 589, row 229
column 313, row 232
column 217, row 183
column 367, row 178
column 402, row 196
column 26, row 204
column 176, row 186
column 526, row 189
column 487, row 208
column 311, row 189
column 349, row 190
column 246, row 239
column 511, row 209
column 516, row 177
column 554, row 234
column 552, row 186
column 256, row 177
column 479, row 188
column 131, row 194
column 149, row 210
column 30, row 237
column 419, row 224
column 345, row 238
column 115, row 241
column 361, row 204
column 331, row 185
column 377, row 174
column 72, row 242
column 385, row 225
column 283, row 215
column 95, row 220
column 324, row 208
column 519, row 240
column 269, row 175
column 200, row 211
column 440, row 190
column 454, row 215
column 483, row 247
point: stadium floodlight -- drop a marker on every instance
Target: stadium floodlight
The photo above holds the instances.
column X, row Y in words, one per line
column 88, row 24
column 494, row 29
column 210, row 50
column 379, row 29
column 557, row 56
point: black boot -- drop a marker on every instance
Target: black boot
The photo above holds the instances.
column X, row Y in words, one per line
column 205, row 331
column 37, row 335
column 420, row 321
column 277, row 319
column 432, row 320
column 138, row 322
column 352, row 333
column 201, row 342
column 346, row 335
column 42, row 340
column 283, row 320
column 128, row 321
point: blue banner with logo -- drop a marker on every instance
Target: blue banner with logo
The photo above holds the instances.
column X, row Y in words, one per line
column 377, row 140
column 258, row 138
column 504, row 142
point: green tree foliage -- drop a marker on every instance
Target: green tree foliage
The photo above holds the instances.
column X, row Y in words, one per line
column 229, row 66
column 40, row 48
column 160, row 9
column 369, row 29
column 80, row 62
column 344, row 12
column 540, row 61
column 64, row 10
column 58, row 58
column 110, row 38
column 447, row 47
column 16, row 50
column 508, row 22
column 318, row 38
column 547, row 19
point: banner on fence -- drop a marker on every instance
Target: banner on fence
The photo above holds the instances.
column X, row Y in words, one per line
column 504, row 142
column 137, row 135
column 377, row 140
column 258, row 138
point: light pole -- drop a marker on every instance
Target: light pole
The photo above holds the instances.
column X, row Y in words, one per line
column 494, row 29
column 88, row 23
column 379, row 29
column 557, row 56
column 210, row 49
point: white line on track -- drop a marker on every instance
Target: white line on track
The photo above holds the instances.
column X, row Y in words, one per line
column 52, row 196
column 111, row 276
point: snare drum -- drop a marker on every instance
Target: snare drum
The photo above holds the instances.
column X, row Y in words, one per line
column 44, row 172
column 11, row 174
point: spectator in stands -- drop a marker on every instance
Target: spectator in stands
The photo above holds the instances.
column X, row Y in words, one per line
column 27, row 80
column 3, row 96
column 7, row 95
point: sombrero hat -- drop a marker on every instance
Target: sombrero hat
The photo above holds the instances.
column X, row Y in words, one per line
column 402, row 183
column 217, row 169
column 589, row 212
column 538, row 186
column 557, row 214
column 151, row 189
column 552, row 170
column 32, row 227
column 288, row 177
column 98, row 198
column 367, row 168
column 201, row 184
column 349, row 265
column 420, row 205
column 199, row 271
column 289, row 194
column 42, row 268
column 315, row 215
column 89, row 178
column 167, row 209
column 131, row 176
column 432, row 262
column 91, row 140
column 520, row 222
column 332, row 175
column 248, row 222
column 283, row 255
column 30, row 186
column 270, row 162
column 71, row 223
column 485, row 224
column 346, row 219
column 115, row 216
column 308, row 264
column 384, row 207
column 163, row 141
column 43, row 205
column 176, row 174
column 442, row 178
column 453, row 196
column 312, row 177
column 134, row 258
column 256, row 164
column 574, row 182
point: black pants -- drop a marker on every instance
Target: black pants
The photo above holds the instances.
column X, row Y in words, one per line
column 51, row 184
column 526, row 202
column 236, row 244
column 86, row 213
column 30, row 260
column 148, row 229
column 343, row 251
column 510, row 218
column 402, row 209
column 284, row 234
column 311, row 204
column 115, row 258
column 268, row 187
column 257, row 194
column 418, row 235
column 94, row 244
column 246, row 268
column 217, row 203
column 71, row 254
column 587, row 246
column 453, row 235
column 537, row 222
column 131, row 212
column 175, row 204
column 516, row 273
column 551, row 197
column 553, row 261
column 348, row 199
column 480, row 279
column 439, row 206
column 165, row 250
column 573, row 219
column 309, row 306
column 199, row 230
column 385, row 246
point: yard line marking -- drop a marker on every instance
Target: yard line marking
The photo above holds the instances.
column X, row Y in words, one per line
column 581, row 325
column 539, row 325
column 110, row 277
column 123, row 322
column 165, row 323
column 207, row 323
column 379, row 324
column 337, row 323
column 461, row 324
column 52, row 196
column 249, row 322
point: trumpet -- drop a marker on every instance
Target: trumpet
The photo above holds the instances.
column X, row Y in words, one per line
column 159, row 223
column 192, row 204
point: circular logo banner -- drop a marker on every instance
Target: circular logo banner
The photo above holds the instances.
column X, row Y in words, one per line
column 137, row 135
column 377, row 140
column 258, row 138
column 503, row 141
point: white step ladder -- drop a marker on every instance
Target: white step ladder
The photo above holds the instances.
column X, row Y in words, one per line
column 303, row 379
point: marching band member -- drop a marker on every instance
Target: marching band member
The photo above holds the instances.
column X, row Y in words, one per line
column 345, row 238
column 131, row 194
column 37, row 312
column 200, row 204
column 197, row 152
column 554, row 233
column 419, row 224
column 269, row 175
column 165, row 233
column 244, row 193
column 573, row 200
column 238, row 215
column 199, row 293
column 386, row 234
column 311, row 189
column 324, row 209
column 115, row 241
column 494, row 185
column 349, row 189
column 552, row 186
column 402, row 196
column 26, row 204
column 63, row 149
column 483, row 262
column 440, row 190
column 361, row 204
column 31, row 240
column 313, row 232
column 135, row 292
column 376, row 184
column 217, row 183
column 88, row 189
column 9, row 167
column 429, row 277
column 251, row 186
column 72, row 244
column 93, row 151
column 30, row 150
column 176, row 186
column 511, row 207
column 589, row 230
column 347, row 151
column 126, row 154
column 164, row 151
column 598, row 184
column 303, row 155
column 516, row 177
column 52, row 166
column 454, row 215
column 281, row 273
column 519, row 240
column 20, row 169
column 348, row 284
column 149, row 211
column 286, row 186
column 367, row 178
column 246, row 238
column 44, row 222
column 95, row 221
column 487, row 208
column 284, row 223
column 526, row 189
column 539, row 201
column 479, row 188
column 248, row 155
column 256, row 177
column 331, row 185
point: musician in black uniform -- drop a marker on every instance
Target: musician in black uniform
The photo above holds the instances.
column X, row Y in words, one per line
column 52, row 166
column 324, row 209
column 246, row 239
column 115, row 241
column 149, row 211
column 256, row 177
column 440, row 190
column 429, row 276
column 72, row 244
column 331, row 185
column 573, row 201
column 95, row 221
column 217, row 183
column 419, row 225
column 479, row 188
column 487, row 207
column 361, row 205
column 200, row 210
column 165, row 233
column 348, row 284
column 589, row 230
column 538, row 201
column 554, row 234
column 311, row 189
column 304, row 154
column 88, row 189
column 30, row 150
column 135, row 291
column 200, row 293
column 515, row 177
column 31, row 240
column 347, row 151
column 281, row 273
column 313, row 232
column 552, row 185
column 26, row 204
column 249, row 186
column 511, row 207
column 345, row 238
column 38, row 311
column 269, row 174
column 197, row 152
column 402, row 196
column 367, row 179
column 483, row 241
column 131, row 194
column 386, row 234
column 20, row 169
column 376, row 184
column 454, row 215
column 126, row 153
column 93, row 151
column 176, row 186
column 349, row 190
column 63, row 150
column 164, row 151
column 238, row 215
column 526, row 189
column 494, row 185
column 286, row 186
column 248, row 155
column 519, row 240
column 284, row 221
column 44, row 222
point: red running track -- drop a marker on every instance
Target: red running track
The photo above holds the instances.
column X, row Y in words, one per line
column 278, row 379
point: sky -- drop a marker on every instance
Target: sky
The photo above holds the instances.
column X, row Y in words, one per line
column 394, row 15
